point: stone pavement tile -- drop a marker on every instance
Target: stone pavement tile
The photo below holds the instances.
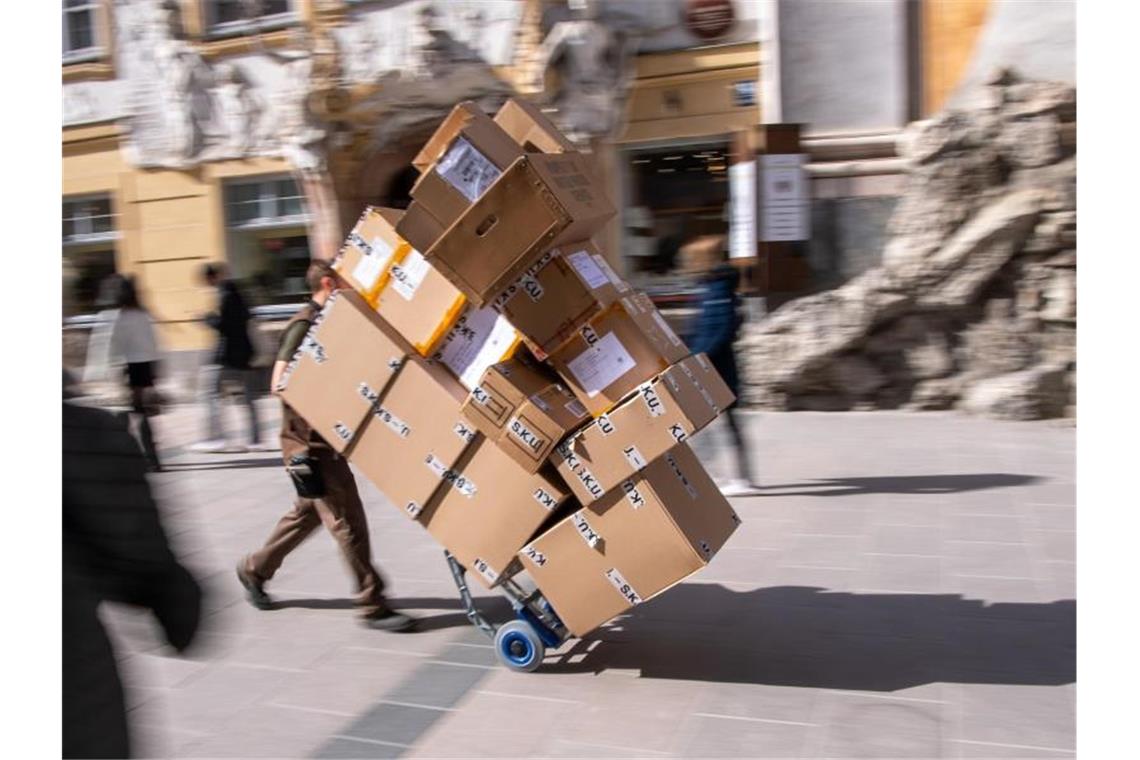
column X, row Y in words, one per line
column 799, row 576
column 1051, row 516
column 1060, row 494
column 348, row 681
column 154, row 671
column 440, row 685
column 925, row 514
column 1062, row 578
column 828, row 550
column 898, row 615
column 901, row 573
column 905, row 539
column 568, row 748
column 998, row 560
column 1004, row 597
column 489, row 725
column 1031, row 716
column 341, row 747
column 391, row 724
column 835, row 520
column 714, row 736
column 209, row 702
column 872, row 727
column 987, row 750
column 749, row 700
column 1004, row 650
column 760, row 532
column 740, row 566
column 983, row 527
column 1054, row 545
column 267, row 731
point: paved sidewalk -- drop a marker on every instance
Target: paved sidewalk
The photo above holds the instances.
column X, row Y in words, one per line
column 905, row 587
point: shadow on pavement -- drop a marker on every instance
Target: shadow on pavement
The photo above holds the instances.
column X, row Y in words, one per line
column 907, row 484
column 809, row 637
column 233, row 464
column 496, row 609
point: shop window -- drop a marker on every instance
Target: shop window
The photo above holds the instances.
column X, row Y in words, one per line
column 80, row 30
column 267, row 245
column 232, row 17
column 88, row 220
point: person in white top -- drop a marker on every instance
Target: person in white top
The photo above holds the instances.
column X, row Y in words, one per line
column 133, row 342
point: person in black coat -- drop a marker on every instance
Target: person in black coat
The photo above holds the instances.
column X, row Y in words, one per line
column 232, row 362
column 717, row 323
column 114, row 549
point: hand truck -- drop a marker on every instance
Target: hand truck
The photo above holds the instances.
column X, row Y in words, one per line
column 520, row 644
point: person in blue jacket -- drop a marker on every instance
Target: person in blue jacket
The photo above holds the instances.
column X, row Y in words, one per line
column 717, row 324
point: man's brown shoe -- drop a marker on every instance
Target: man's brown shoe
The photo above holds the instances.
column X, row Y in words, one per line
column 384, row 618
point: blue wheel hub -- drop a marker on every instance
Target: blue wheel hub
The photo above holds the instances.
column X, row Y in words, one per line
column 517, row 648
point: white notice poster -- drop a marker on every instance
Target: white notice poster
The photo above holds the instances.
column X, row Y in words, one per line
column 784, row 198
column 742, row 218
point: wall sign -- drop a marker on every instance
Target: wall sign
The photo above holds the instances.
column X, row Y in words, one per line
column 742, row 210
column 784, row 200
column 709, row 19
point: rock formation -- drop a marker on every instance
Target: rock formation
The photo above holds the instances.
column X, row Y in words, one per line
column 974, row 304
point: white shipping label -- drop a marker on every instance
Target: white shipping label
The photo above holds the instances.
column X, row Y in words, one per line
column 652, row 401
column 394, row 423
column 634, row 457
column 534, row 555
column 460, row 483
column 677, row 432
column 436, row 465
column 692, row 491
column 621, row 285
column 590, row 482
column 636, row 500
column 528, row 437
column 409, row 274
column 368, row 394
column 587, row 269
column 666, row 329
column 313, row 348
column 467, row 170
column 344, row 432
column 568, row 456
column 413, row 509
column 575, row 408
column 605, row 425
column 479, row 339
column 547, row 500
column 368, row 270
column 465, row 431
column 485, row 570
column 623, row 587
column 600, row 365
column 588, row 534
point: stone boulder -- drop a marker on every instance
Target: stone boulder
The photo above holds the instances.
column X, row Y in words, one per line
column 1037, row 393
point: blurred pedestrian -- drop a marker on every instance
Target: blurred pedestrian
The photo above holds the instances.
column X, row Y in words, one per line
column 133, row 342
column 115, row 550
column 97, row 364
column 326, row 489
column 717, row 324
column 232, row 362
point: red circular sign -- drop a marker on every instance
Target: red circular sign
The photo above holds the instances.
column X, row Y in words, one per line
column 709, row 19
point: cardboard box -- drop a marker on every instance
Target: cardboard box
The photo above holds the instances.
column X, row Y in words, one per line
column 464, row 156
column 489, row 508
column 559, row 294
column 420, row 228
column 617, row 351
column 529, row 127
column 662, row 413
column 540, row 201
column 479, row 338
column 343, row 366
column 658, row 528
column 414, row 435
column 525, row 411
column 370, row 248
column 419, row 302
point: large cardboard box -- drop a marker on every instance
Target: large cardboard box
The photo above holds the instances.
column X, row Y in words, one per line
column 479, row 338
column 368, row 251
column 617, row 351
column 525, row 411
column 343, row 366
column 489, row 508
column 659, row 527
column 419, row 302
column 662, row 413
column 414, row 435
column 468, row 120
column 529, row 127
column 559, row 294
column 539, row 201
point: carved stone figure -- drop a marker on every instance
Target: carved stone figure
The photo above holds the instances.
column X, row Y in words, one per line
column 239, row 111
column 433, row 49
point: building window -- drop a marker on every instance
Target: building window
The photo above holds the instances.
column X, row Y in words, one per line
column 267, row 243
column 80, row 30
column 88, row 220
column 230, row 17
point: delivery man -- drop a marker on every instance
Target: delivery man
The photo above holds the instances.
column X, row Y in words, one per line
column 326, row 490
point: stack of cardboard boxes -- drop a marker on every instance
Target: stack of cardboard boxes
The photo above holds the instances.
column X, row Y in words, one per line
column 502, row 386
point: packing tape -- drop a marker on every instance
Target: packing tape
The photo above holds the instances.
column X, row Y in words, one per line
column 623, row 587
column 485, row 570
column 588, row 534
column 534, row 555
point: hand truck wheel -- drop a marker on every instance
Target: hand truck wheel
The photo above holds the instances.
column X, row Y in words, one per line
column 518, row 646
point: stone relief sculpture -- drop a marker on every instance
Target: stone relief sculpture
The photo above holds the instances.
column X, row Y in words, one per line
column 240, row 112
